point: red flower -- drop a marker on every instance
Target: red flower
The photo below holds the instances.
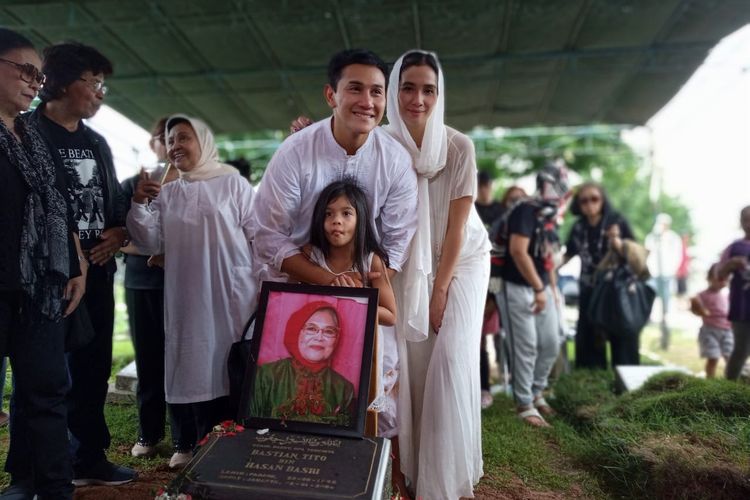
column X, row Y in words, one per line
column 204, row 440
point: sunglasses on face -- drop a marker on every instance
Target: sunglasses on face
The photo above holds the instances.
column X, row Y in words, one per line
column 591, row 199
column 29, row 72
column 96, row 85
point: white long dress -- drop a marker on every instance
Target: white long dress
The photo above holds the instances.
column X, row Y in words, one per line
column 441, row 447
column 202, row 227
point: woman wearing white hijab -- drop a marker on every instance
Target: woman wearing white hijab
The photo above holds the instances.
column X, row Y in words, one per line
column 441, row 291
column 201, row 223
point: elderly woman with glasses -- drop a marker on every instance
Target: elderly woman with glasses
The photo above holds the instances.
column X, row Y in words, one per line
column 597, row 228
column 201, row 223
column 304, row 386
column 41, row 281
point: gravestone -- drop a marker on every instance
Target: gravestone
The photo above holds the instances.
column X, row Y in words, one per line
column 286, row 465
column 123, row 389
column 632, row 377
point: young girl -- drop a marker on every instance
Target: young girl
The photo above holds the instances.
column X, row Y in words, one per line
column 715, row 338
column 342, row 241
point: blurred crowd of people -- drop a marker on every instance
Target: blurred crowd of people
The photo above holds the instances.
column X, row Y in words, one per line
column 598, row 233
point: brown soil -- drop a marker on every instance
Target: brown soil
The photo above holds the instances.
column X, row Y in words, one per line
column 145, row 487
column 515, row 489
column 149, row 483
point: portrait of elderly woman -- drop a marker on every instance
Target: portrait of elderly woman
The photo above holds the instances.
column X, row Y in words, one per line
column 304, row 386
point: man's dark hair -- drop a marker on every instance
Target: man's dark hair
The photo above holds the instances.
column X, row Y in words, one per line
column 483, row 178
column 241, row 164
column 353, row 56
column 64, row 63
column 10, row 40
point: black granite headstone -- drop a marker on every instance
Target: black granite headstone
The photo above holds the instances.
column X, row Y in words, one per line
column 286, row 465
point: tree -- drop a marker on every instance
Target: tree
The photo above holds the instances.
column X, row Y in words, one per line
column 595, row 153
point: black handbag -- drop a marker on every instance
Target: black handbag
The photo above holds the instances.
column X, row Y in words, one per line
column 240, row 356
column 620, row 302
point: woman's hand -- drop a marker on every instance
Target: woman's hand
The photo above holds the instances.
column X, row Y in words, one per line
column 613, row 234
column 540, row 301
column 299, row 123
column 74, row 291
column 111, row 241
column 146, row 189
column 438, row 301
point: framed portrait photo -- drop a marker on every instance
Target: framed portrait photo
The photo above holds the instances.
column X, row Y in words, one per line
column 311, row 359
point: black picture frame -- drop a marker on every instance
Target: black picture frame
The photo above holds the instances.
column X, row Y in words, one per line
column 278, row 316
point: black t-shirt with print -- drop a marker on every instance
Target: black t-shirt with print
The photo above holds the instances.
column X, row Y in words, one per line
column 524, row 220
column 85, row 182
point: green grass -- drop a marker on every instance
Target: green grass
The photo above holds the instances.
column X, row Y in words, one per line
column 677, row 437
column 512, row 449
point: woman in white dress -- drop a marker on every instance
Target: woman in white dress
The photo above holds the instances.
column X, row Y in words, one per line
column 440, row 293
column 201, row 223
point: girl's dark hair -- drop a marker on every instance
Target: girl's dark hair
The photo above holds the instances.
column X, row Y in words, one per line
column 418, row 59
column 10, row 40
column 575, row 205
column 364, row 233
column 64, row 63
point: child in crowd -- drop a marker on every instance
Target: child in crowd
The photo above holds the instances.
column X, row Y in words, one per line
column 342, row 241
column 715, row 338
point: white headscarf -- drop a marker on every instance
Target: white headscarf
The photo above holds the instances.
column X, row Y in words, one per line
column 413, row 284
column 208, row 165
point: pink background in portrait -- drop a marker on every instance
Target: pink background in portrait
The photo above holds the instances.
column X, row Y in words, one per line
column 352, row 318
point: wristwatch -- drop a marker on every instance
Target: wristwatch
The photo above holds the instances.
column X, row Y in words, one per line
column 126, row 241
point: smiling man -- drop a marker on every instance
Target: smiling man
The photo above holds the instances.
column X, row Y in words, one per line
column 348, row 144
column 74, row 91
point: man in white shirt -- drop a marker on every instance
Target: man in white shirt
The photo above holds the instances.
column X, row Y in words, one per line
column 348, row 144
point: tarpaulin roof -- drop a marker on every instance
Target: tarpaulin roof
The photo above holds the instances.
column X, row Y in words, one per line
column 251, row 65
